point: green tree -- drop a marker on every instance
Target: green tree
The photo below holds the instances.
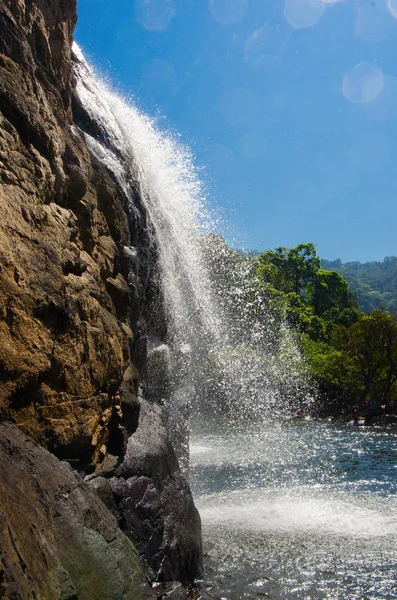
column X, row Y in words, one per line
column 370, row 346
column 328, row 290
column 375, row 283
column 289, row 270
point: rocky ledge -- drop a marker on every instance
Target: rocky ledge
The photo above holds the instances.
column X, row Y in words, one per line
column 75, row 287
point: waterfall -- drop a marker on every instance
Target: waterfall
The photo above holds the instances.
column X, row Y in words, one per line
column 225, row 350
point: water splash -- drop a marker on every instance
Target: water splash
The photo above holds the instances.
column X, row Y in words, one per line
column 229, row 351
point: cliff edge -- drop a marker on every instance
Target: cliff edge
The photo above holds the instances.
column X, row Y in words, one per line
column 74, row 286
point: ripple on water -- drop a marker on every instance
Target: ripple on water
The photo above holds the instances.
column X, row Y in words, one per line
column 298, row 511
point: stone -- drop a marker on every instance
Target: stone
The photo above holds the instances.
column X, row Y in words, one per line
column 174, row 591
column 159, row 371
column 57, row 539
column 67, row 318
column 154, row 503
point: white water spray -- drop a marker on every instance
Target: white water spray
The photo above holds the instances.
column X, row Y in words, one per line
column 225, row 344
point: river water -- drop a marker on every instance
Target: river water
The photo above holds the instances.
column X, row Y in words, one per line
column 297, row 509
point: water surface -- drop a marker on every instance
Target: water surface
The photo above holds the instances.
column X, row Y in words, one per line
column 297, row 509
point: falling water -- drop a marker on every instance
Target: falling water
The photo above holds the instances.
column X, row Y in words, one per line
column 226, row 348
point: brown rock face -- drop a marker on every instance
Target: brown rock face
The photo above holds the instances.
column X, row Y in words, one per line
column 67, row 319
column 75, row 285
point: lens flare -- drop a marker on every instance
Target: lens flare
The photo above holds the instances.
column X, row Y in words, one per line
column 392, row 6
column 384, row 107
column 363, row 82
column 303, row 13
column 154, row 15
column 227, row 12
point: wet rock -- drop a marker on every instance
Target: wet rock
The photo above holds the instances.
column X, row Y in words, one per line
column 76, row 283
column 174, row 591
column 57, row 539
column 154, row 504
column 159, row 370
column 129, row 403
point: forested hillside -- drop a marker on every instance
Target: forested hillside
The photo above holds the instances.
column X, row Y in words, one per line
column 375, row 283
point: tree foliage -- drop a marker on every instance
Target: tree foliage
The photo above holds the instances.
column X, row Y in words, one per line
column 352, row 356
column 289, row 270
column 370, row 346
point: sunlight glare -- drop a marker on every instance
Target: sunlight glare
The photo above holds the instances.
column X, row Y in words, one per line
column 392, row 6
column 227, row 12
column 384, row 107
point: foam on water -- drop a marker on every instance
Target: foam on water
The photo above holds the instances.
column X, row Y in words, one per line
column 297, row 510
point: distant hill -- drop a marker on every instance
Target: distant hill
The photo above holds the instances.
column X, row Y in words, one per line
column 375, row 283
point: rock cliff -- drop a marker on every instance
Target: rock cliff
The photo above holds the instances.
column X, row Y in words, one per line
column 66, row 332
column 75, row 286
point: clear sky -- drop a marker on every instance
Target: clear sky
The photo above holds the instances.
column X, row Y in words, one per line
column 289, row 106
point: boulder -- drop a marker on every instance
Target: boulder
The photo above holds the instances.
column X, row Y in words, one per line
column 58, row 541
column 153, row 503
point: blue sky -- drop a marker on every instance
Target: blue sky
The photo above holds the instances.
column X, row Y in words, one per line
column 289, row 106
